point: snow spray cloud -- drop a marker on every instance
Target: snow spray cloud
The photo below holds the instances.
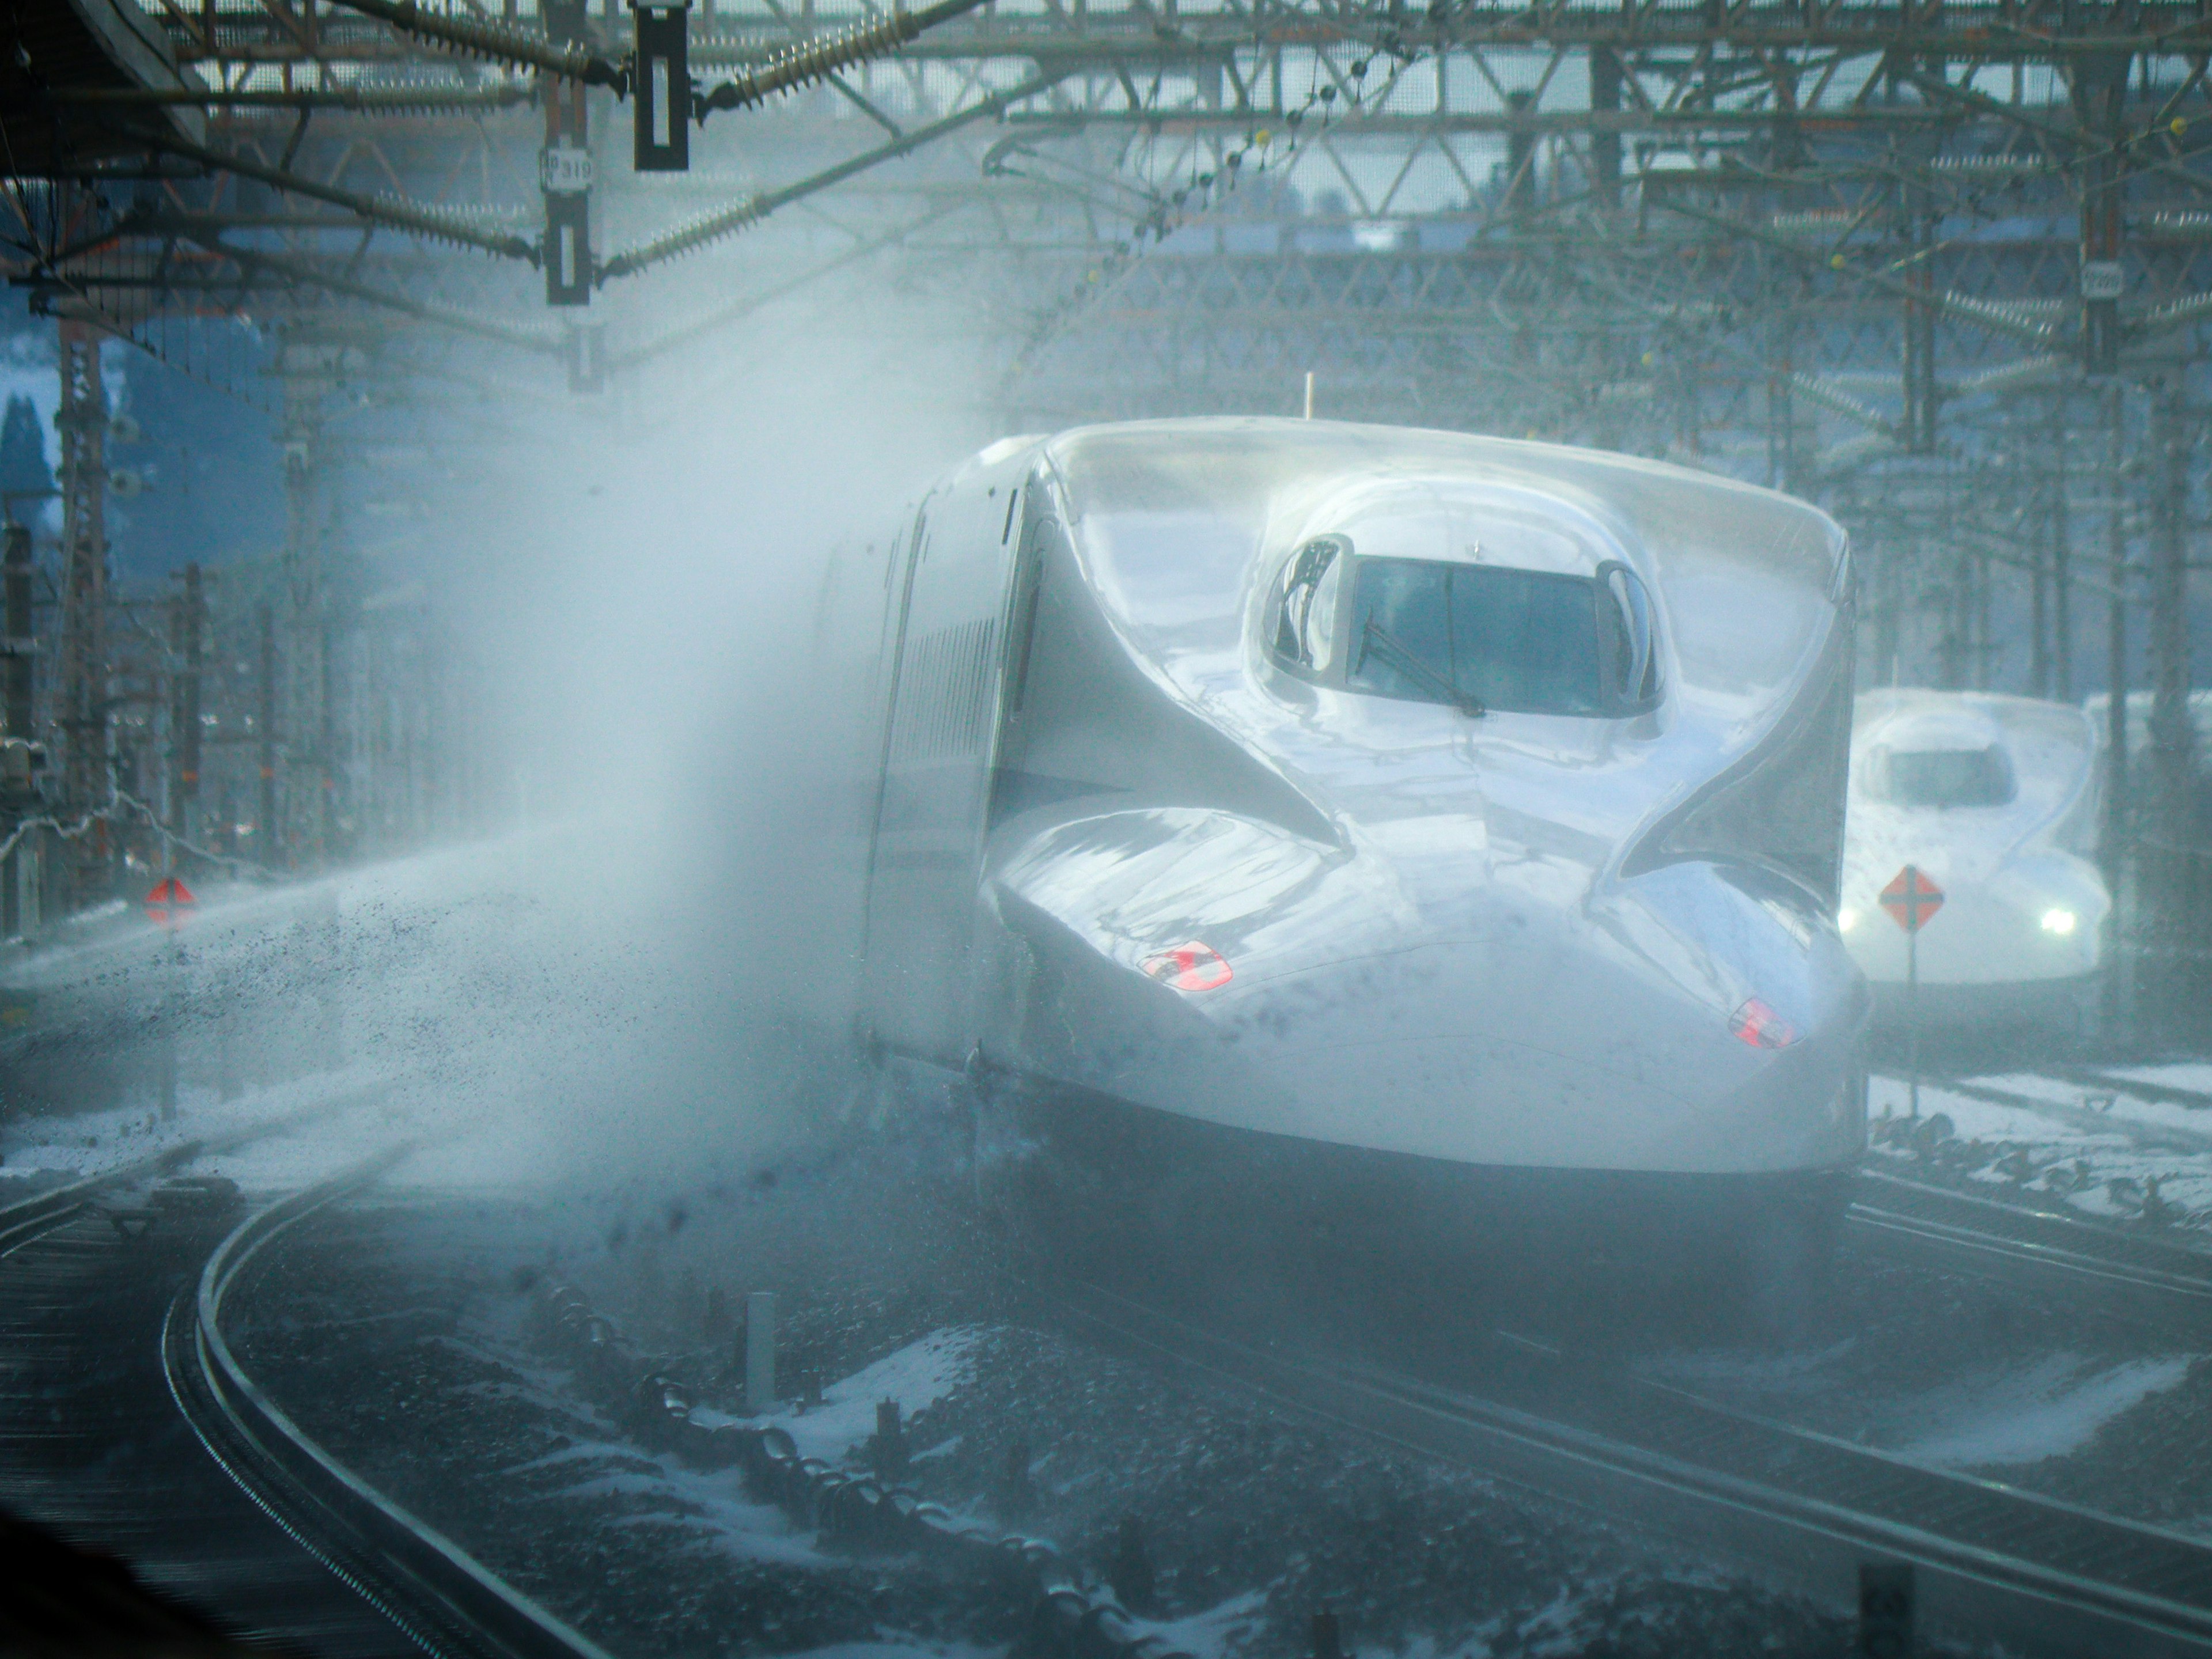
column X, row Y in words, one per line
column 671, row 726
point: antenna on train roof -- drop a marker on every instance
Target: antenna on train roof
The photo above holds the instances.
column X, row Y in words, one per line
column 1309, row 394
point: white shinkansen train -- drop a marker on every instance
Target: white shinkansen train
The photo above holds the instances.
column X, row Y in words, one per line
column 1398, row 824
column 1995, row 798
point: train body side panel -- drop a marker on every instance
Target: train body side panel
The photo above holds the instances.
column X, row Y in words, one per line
column 948, row 646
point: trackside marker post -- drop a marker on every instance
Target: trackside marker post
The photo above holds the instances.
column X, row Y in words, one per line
column 760, row 1352
column 1911, row 900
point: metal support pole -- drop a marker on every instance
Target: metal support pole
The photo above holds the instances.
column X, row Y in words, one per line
column 2115, row 837
column 564, row 168
column 270, row 830
column 83, row 693
column 2062, row 573
column 1919, row 321
column 16, row 578
column 1605, row 147
column 306, row 801
column 2172, row 736
column 1519, row 156
column 1913, row 995
column 188, row 641
column 2100, row 84
column 17, row 706
column 2031, row 489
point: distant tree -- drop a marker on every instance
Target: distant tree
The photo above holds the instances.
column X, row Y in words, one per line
column 23, row 451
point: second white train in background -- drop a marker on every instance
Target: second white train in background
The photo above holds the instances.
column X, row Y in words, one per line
column 1995, row 800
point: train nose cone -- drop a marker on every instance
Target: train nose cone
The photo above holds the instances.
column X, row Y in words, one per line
column 1682, row 1024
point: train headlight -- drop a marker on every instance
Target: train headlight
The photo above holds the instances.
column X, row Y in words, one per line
column 1846, row 919
column 2060, row 922
column 1192, row 967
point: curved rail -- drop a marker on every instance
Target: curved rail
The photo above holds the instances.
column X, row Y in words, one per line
column 2032, row 1573
column 2135, row 1275
column 421, row 1581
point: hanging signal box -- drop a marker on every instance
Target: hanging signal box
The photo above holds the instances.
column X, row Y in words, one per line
column 660, row 90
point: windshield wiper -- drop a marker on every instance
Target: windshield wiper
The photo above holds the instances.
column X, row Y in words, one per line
column 1414, row 669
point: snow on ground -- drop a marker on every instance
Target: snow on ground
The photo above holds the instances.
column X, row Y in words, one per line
column 2053, row 1407
column 711, row 1504
column 2193, row 1074
column 2097, row 1149
column 1216, row 1633
column 85, row 1143
column 921, row 1374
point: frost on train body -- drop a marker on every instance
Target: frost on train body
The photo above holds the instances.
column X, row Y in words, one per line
column 1995, row 798
column 1469, row 804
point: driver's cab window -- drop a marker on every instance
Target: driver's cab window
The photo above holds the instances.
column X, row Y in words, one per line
column 1480, row 637
column 1305, row 625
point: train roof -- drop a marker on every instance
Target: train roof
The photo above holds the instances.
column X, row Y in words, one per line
column 2050, row 746
column 1178, row 522
column 1179, row 527
column 2046, row 737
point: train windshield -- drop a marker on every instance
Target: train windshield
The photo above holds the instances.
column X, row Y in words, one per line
column 1483, row 637
column 1943, row 777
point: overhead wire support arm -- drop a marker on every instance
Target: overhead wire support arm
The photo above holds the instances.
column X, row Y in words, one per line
column 416, row 218
column 364, row 100
column 818, row 60
column 520, row 336
column 743, row 216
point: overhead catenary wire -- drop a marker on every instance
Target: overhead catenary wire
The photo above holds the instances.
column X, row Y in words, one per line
column 741, row 215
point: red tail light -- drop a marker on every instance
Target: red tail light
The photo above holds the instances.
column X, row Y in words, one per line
column 1758, row 1026
column 1191, row 967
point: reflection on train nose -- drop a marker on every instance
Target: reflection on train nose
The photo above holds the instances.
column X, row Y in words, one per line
column 2060, row 922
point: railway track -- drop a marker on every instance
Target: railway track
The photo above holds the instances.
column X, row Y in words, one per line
column 427, row 1586
column 2170, row 1094
column 2144, row 1278
column 129, row 1425
column 1994, row 1562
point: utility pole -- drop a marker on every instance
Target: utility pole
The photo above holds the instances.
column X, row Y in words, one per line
column 2030, row 493
column 19, row 871
column 2115, row 838
column 306, row 367
column 1604, row 143
column 2062, row 573
column 1919, row 321
column 83, row 699
column 2173, row 737
column 17, row 686
column 2100, row 90
column 564, row 166
column 188, row 639
column 272, row 837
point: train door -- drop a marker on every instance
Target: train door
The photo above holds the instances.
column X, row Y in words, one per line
column 949, row 663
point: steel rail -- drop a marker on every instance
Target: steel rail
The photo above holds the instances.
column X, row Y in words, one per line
column 2145, row 1280
column 2034, row 1573
column 2119, row 1083
column 425, row 1583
